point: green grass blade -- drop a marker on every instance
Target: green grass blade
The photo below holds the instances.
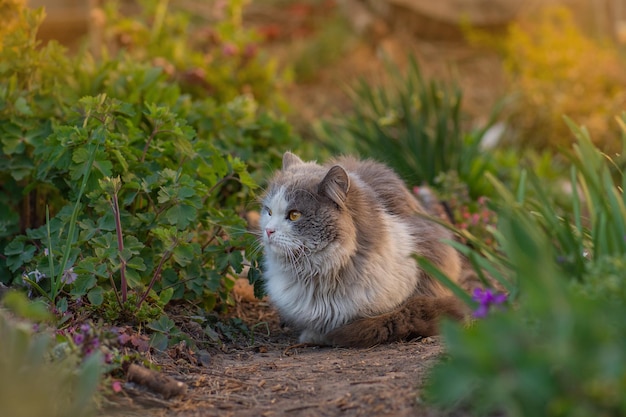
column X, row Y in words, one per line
column 576, row 201
column 436, row 273
column 50, row 251
column 58, row 281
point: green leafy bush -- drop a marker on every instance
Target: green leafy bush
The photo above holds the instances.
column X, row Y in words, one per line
column 561, row 350
column 118, row 187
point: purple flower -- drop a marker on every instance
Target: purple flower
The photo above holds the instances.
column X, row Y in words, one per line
column 95, row 343
column 84, row 328
column 486, row 299
column 79, row 338
column 69, row 276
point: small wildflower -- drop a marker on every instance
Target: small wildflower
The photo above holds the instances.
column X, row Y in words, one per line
column 486, row 298
column 116, row 386
column 85, row 328
column 95, row 343
column 229, row 49
column 69, row 276
column 78, row 338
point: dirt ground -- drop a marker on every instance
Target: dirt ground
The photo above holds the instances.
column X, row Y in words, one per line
column 268, row 377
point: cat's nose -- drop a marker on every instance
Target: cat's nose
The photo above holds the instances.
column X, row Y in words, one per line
column 269, row 232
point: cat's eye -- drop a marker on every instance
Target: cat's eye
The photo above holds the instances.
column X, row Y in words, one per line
column 294, row 215
column 268, row 210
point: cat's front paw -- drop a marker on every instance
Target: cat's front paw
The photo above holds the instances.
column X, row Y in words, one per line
column 311, row 337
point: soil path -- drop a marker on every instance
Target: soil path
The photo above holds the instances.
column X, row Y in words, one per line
column 266, row 377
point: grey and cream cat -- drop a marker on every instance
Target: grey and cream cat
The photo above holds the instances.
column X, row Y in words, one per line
column 339, row 241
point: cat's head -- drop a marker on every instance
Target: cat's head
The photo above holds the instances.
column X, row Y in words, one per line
column 304, row 211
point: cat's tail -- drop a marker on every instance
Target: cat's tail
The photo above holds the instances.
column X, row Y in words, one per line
column 418, row 316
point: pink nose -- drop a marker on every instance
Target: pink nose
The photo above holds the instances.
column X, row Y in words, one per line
column 269, row 232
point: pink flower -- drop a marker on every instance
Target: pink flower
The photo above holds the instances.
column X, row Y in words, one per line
column 229, row 49
column 116, row 386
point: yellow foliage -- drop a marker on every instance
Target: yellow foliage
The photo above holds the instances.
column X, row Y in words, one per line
column 10, row 11
column 556, row 70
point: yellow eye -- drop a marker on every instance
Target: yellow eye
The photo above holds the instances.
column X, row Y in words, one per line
column 294, row 215
column 269, row 211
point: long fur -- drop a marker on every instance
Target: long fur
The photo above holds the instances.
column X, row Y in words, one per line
column 344, row 270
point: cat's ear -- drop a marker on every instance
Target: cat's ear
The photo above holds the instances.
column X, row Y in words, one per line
column 335, row 185
column 290, row 159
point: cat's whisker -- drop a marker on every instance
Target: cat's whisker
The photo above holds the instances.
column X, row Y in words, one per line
column 256, row 248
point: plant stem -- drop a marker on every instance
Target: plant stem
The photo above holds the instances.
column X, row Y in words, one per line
column 165, row 257
column 117, row 295
column 148, row 142
column 228, row 177
column 120, row 246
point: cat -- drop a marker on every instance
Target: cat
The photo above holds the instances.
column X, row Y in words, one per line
column 339, row 242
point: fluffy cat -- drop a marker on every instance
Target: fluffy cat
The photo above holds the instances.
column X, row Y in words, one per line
column 339, row 241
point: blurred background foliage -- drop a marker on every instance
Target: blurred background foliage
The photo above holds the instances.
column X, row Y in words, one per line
column 130, row 162
column 556, row 68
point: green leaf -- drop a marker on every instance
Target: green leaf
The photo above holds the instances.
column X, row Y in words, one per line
column 159, row 341
column 181, row 215
column 166, row 295
column 83, row 284
column 133, row 279
column 96, row 296
column 13, row 145
column 22, row 107
column 235, row 259
column 136, row 263
column 183, row 254
column 61, row 305
column 18, row 254
column 163, row 325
